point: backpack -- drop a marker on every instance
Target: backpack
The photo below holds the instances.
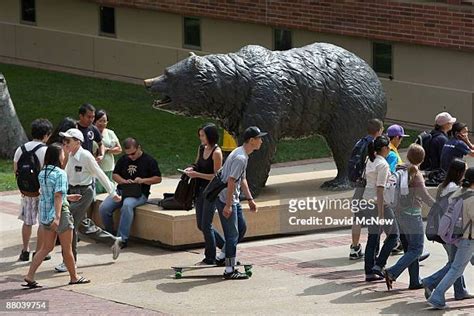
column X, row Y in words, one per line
column 28, row 168
column 393, row 195
column 183, row 197
column 451, row 227
column 358, row 159
column 434, row 216
column 424, row 140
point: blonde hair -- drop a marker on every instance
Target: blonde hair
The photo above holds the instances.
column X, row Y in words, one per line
column 415, row 155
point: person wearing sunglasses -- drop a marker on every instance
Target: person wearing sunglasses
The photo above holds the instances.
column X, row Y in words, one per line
column 135, row 172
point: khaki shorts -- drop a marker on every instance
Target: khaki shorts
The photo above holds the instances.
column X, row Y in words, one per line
column 65, row 222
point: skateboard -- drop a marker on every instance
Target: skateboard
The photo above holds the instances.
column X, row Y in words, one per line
column 178, row 271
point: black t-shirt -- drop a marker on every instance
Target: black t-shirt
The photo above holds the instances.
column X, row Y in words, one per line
column 91, row 134
column 144, row 167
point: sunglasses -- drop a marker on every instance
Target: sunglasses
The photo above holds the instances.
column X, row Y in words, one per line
column 132, row 154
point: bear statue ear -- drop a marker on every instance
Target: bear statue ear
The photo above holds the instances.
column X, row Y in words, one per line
column 192, row 54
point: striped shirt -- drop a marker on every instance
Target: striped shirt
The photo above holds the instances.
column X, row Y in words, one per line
column 52, row 179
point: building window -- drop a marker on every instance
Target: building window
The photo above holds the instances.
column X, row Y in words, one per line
column 282, row 39
column 192, row 33
column 107, row 20
column 28, row 11
column 382, row 59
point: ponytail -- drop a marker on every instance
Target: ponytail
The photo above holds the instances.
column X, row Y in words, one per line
column 371, row 151
column 412, row 171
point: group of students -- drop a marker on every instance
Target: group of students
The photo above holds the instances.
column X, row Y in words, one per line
column 372, row 176
column 208, row 166
column 68, row 169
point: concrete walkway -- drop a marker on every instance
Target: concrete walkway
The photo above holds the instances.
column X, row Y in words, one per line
column 306, row 274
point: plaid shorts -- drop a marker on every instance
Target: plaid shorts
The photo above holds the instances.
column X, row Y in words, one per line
column 29, row 210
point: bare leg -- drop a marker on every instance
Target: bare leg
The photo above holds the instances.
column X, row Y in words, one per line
column 68, row 257
column 356, row 229
column 46, row 247
column 39, row 238
column 26, row 235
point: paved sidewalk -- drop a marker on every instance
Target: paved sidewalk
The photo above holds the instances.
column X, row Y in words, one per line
column 306, row 274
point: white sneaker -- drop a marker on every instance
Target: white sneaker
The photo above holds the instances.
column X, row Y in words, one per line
column 116, row 248
column 61, row 267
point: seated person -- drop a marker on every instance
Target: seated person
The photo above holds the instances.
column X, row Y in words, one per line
column 135, row 167
column 458, row 146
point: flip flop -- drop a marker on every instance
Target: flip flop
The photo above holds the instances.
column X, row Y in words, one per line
column 81, row 280
column 31, row 284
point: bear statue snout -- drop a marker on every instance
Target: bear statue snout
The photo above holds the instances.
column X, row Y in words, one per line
column 148, row 83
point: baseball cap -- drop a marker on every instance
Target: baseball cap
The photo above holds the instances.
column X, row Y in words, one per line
column 252, row 132
column 444, row 118
column 73, row 133
column 396, row 130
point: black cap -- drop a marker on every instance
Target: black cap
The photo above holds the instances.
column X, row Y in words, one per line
column 252, row 132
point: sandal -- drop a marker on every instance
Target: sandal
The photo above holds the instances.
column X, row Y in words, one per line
column 388, row 280
column 31, row 284
column 81, row 280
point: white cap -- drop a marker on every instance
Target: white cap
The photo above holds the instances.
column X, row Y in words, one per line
column 73, row 133
column 444, row 118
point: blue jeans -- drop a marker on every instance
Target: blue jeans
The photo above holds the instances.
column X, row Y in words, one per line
column 204, row 215
column 433, row 280
column 373, row 240
column 412, row 237
column 461, row 259
column 127, row 211
column 234, row 230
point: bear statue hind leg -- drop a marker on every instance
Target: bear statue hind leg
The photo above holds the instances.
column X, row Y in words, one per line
column 337, row 184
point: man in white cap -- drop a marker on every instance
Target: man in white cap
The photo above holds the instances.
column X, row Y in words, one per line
column 439, row 136
column 81, row 169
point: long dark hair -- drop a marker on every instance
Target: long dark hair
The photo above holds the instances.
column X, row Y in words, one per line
column 211, row 132
column 375, row 147
column 457, row 128
column 52, row 156
column 65, row 124
column 468, row 178
column 456, row 171
column 99, row 114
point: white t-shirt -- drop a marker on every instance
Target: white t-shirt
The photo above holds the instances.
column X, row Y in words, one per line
column 377, row 173
column 29, row 146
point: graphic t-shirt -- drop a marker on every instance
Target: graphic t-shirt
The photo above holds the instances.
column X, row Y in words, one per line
column 91, row 134
column 144, row 167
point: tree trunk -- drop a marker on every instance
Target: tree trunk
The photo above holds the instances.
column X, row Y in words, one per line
column 11, row 131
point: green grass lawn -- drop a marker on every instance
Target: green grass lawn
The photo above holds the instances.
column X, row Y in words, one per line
column 170, row 139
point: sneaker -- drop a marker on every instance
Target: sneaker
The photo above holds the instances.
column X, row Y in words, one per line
column 123, row 244
column 378, row 271
column 116, row 248
column 436, row 305
column 206, row 262
column 235, row 275
column 356, row 252
column 60, row 268
column 373, row 278
column 48, row 257
column 466, row 296
column 24, row 256
column 423, row 256
column 220, row 262
column 398, row 250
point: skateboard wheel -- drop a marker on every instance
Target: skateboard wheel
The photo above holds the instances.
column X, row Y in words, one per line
column 178, row 275
column 248, row 273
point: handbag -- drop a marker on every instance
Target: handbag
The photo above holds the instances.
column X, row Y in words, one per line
column 131, row 190
column 215, row 186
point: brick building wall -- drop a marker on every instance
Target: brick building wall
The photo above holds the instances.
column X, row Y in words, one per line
column 449, row 24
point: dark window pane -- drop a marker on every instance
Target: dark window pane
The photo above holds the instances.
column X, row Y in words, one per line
column 382, row 58
column 28, row 12
column 192, row 32
column 107, row 20
column 282, row 39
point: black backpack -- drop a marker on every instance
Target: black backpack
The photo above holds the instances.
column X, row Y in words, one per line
column 424, row 140
column 358, row 159
column 183, row 197
column 28, row 168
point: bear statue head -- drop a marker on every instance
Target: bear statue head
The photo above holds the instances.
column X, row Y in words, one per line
column 3, row 87
column 184, row 87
